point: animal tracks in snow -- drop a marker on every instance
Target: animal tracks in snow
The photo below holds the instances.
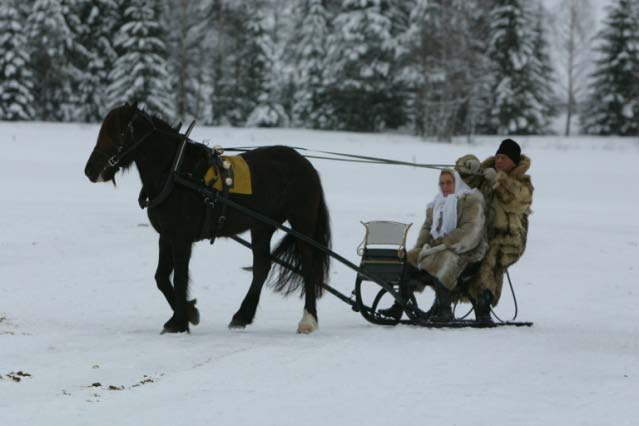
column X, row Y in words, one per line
column 97, row 386
column 16, row 376
column 6, row 327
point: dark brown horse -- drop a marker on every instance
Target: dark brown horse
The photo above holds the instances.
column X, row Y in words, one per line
column 285, row 186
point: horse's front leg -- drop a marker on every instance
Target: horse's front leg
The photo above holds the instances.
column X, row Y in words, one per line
column 163, row 271
column 163, row 280
column 179, row 322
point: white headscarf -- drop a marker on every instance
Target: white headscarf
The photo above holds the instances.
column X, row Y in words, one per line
column 447, row 206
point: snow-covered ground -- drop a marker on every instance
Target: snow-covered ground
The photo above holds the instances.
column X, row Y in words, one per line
column 79, row 306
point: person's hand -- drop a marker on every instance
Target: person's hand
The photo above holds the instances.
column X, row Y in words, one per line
column 490, row 175
column 468, row 164
column 421, row 255
column 428, row 250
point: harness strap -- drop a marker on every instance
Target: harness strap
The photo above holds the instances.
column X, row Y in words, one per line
column 143, row 200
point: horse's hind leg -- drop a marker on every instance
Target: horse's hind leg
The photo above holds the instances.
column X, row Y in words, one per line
column 309, row 321
column 261, row 247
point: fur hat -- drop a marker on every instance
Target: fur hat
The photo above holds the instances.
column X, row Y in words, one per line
column 511, row 149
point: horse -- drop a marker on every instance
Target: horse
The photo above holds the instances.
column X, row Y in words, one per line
column 286, row 187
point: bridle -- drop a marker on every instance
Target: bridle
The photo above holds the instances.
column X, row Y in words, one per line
column 122, row 150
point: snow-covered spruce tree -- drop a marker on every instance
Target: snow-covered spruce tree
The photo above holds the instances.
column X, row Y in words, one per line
column 444, row 66
column 311, row 105
column 242, row 67
column 543, row 72
column 140, row 73
column 398, row 112
column 50, row 41
column 256, row 66
column 96, row 37
column 573, row 30
column 16, row 79
column 77, row 58
column 359, row 64
column 281, row 21
column 479, row 71
column 613, row 103
column 410, row 52
column 516, row 105
column 187, row 23
column 228, row 36
column 333, row 7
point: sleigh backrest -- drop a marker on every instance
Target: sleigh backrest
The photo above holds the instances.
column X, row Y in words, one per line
column 384, row 234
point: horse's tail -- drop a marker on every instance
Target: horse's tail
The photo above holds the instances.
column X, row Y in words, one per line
column 289, row 279
column 322, row 260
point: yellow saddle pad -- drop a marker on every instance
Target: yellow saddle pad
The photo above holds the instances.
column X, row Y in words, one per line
column 239, row 172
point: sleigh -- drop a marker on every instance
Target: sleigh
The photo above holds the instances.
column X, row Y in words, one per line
column 384, row 258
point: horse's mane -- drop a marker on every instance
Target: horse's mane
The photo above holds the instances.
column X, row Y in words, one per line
column 158, row 122
column 161, row 124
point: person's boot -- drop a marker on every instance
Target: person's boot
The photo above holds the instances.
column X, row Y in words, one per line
column 395, row 311
column 414, row 280
column 425, row 315
column 442, row 310
column 482, row 309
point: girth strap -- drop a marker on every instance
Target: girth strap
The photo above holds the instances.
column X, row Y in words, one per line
column 211, row 220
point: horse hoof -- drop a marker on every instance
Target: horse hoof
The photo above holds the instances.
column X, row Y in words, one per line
column 174, row 330
column 239, row 320
column 175, row 326
column 308, row 324
column 192, row 312
column 237, row 324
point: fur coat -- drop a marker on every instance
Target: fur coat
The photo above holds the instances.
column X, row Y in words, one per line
column 464, row 245
column 508, row 202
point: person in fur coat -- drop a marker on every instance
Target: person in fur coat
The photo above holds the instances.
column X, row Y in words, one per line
column 452, row 237
column 508, row 191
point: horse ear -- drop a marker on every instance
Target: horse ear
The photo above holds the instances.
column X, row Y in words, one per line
column 131, row 105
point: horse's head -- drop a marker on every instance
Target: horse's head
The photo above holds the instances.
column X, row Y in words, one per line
column 114, row 141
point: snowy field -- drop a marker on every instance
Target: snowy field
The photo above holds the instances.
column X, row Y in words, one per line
column 79, row 306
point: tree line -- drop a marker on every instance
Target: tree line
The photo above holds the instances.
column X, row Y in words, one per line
column 437, row 68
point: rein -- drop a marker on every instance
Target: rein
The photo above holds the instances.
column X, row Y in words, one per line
column 222, row 172
column 353, row 158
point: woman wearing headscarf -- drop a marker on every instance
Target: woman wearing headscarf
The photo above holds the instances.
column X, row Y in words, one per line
column 452, row 237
